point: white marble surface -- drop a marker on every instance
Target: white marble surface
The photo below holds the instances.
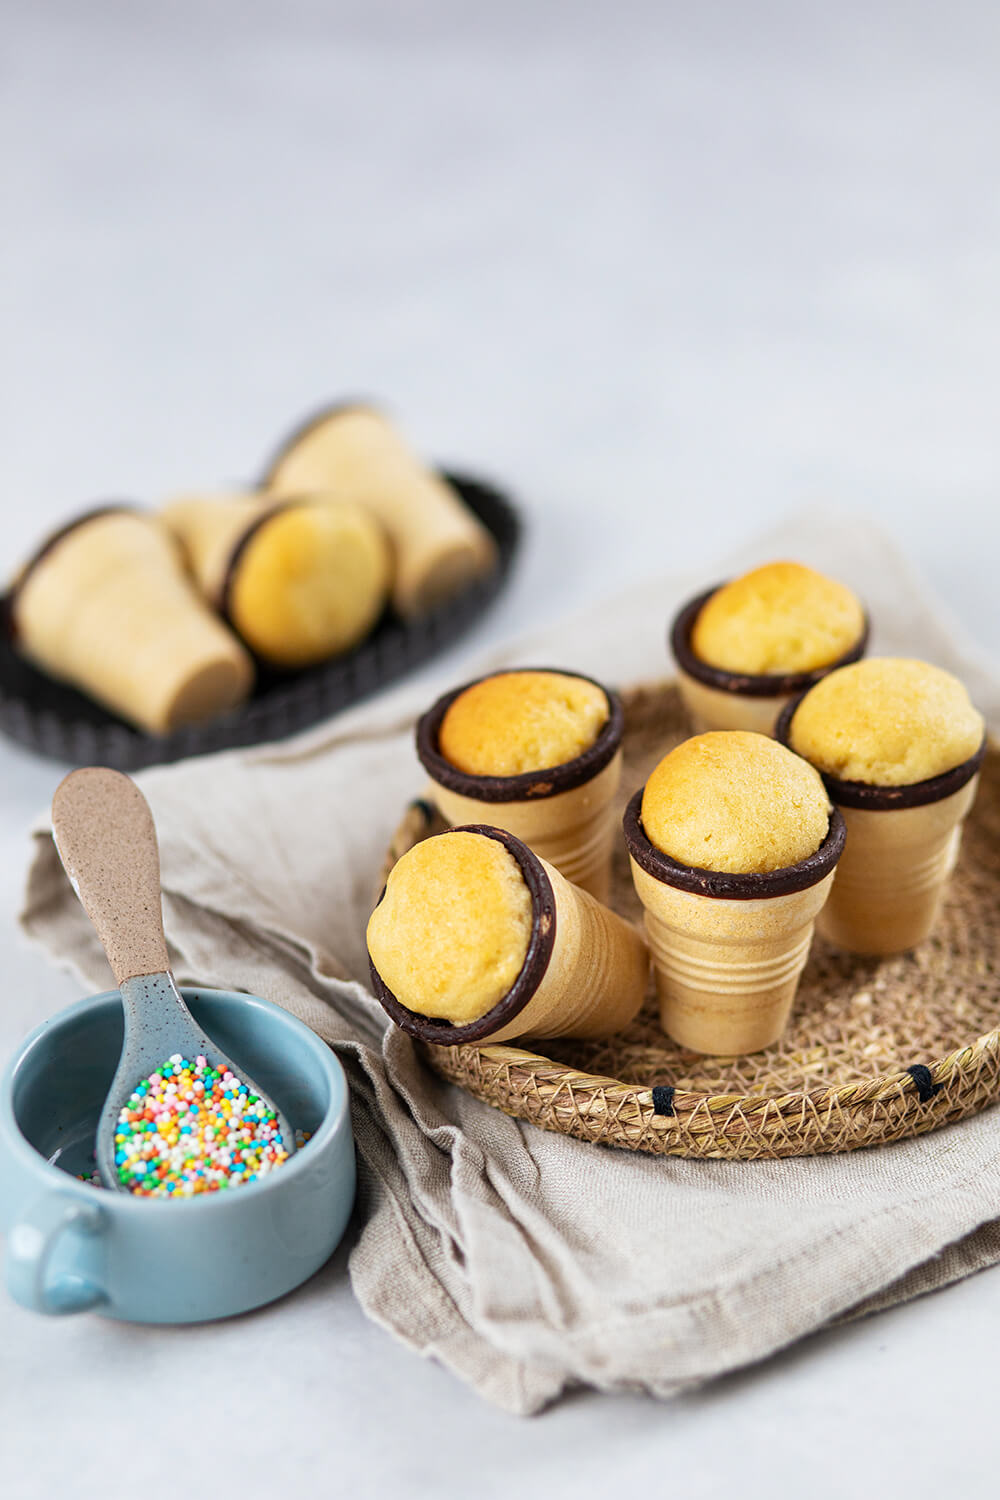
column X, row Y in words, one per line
column 668, row 271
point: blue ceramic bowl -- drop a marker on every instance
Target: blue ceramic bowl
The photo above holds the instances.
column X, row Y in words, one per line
column 73, row 1246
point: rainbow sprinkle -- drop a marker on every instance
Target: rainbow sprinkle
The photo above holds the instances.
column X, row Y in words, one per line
column 189, row 1128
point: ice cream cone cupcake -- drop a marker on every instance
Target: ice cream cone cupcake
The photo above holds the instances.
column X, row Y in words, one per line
column 298, row 580
column 476, row 939
column 745, row 648
column 353, row 452
column 537, row 752
column 733, row 845
column 899, row 746
column 107, row 606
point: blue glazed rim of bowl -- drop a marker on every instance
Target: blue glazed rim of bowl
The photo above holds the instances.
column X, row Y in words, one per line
column 335, row 1118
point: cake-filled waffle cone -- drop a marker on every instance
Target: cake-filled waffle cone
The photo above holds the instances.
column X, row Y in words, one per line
column 299, row 580
column 727, row 949
column 565, row 813
column 107, row 606
column 891, row 738
column 902, row 844
column 354, row 452
column 584, row 973
column 717, row 698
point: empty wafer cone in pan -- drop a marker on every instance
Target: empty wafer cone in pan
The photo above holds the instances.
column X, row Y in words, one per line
column 564, row 811
column 354, row 452
column 476, row 939
column 299, row 580
column 107, row 606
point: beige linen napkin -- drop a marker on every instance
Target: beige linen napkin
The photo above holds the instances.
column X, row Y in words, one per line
column 525, row 1261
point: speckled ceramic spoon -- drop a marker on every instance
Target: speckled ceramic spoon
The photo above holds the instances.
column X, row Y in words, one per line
column 106, row 840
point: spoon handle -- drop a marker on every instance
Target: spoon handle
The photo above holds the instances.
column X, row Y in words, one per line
column 106, row 840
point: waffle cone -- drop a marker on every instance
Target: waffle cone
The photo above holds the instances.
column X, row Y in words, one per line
column 355, row 454
column 726, row 970
column 575, row 830
column 209, row 529
column 109, row 608
column 595, row 981
column 712, row 708
column 891, row 877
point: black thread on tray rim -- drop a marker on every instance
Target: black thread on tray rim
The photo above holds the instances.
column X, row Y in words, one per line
column 663, row 1099
column 444, row 1033
column 529, row 785
column 925, row 1085
column 750, row 684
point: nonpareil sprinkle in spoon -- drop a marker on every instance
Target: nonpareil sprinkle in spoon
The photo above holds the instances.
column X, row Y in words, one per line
column 180, row 1117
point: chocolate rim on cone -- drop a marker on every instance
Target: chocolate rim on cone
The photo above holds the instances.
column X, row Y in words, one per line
column 751, row 685
column 528, row 786
column 880, row 798
column 303, row 428
column 726, row 885
column 112, row 508
column 540, row 944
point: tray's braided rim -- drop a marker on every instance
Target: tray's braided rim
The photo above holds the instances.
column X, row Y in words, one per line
column 726, row 1126
column 604, row 1110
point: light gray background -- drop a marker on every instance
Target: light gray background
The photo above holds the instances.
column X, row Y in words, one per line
column 666, row 270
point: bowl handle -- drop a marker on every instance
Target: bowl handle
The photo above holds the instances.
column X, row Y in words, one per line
column 30, row 1245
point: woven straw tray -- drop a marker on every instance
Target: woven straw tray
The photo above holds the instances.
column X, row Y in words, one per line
column 877, row 1049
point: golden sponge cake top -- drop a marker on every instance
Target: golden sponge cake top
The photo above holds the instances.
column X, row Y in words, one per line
column 781, row 618
column 451, row 933
column 735, row 801
column 516, row 722
column 310, row 581
column 887, row 721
